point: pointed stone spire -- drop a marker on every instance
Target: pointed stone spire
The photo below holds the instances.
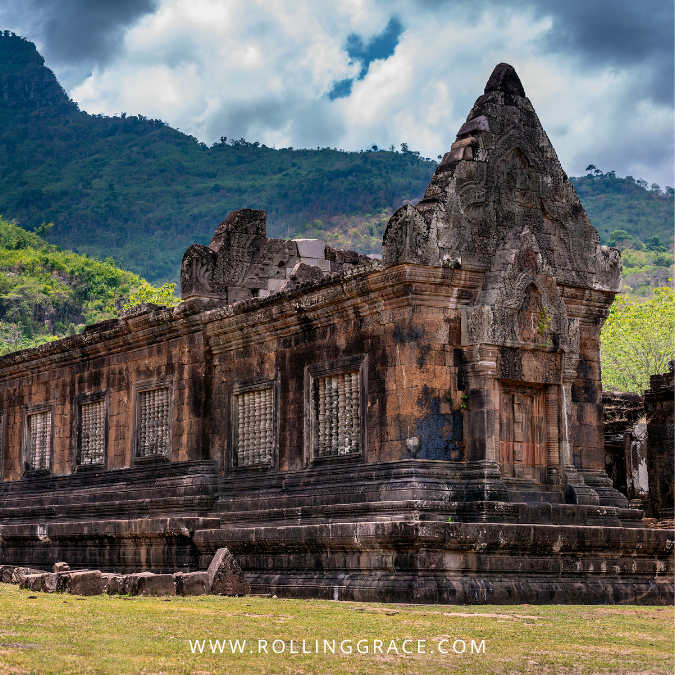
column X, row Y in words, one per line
column 501, row 179
column 505, row 79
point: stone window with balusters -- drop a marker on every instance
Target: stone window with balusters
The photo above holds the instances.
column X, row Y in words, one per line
column 254, row 424
column 38, row 440
column 335, row 397
column 152, row 422
column 90, row 434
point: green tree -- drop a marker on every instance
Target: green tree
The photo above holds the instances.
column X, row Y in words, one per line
column 162, row 295
column 637, row 341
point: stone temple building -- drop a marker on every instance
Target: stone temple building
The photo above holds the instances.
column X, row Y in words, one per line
column 425, row 428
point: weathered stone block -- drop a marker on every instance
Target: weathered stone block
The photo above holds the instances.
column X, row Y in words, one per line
column 192, row 583
column 50, row 582
column 155, row 584
column 115, row 584
column 310, row 248
column 129, row 584
column 32, row 582
column 89, row 582
column 225, row 575
column 6, row 573
column 18, row 573
column 61, row 567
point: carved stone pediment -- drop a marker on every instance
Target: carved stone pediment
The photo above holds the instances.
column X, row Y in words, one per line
column 408, row 238
column 196, row 273
column 501, row 176
column 608, row 269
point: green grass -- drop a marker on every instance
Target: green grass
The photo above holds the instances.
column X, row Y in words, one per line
column 70, row 634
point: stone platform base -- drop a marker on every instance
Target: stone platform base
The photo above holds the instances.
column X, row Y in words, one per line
column 436, row 562
column 156, row 544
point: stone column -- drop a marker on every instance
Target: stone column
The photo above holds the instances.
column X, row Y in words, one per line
column 481, row 425
column 553, row 419
column 575, row 489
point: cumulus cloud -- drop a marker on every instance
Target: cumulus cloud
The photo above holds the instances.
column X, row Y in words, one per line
column 359, row 72
column 75, row 34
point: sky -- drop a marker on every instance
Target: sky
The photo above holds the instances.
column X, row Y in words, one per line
column 355, row 73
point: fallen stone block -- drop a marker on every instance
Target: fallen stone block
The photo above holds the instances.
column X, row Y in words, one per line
column 115, row 584
column 192, row 583
column 225, row 575
column 82, row 583
column 61, row 567
column 6, row 573
column 107, row 578
column 155, row 584
column 130, row 583
column 49, row 582
column 32, row 582
column 19, row 573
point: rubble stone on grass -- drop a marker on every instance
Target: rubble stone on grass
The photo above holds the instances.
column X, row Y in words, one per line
column 192, row 583
column 225, row 575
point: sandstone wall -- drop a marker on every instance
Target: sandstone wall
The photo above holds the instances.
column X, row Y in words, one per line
column 109, row 360
column 660, row 450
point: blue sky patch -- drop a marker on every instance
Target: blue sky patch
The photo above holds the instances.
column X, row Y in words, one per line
column 380, row 46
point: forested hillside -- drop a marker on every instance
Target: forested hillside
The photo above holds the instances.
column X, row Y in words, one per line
column 140, row 192
column 47, row 293
column 614, row 203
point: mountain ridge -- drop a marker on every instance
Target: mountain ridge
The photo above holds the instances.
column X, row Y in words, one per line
column 135, row 189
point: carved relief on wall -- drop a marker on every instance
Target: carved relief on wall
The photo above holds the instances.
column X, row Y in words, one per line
column 534, row 322
column 196, row 272
column 408, row 238
column 520, row 179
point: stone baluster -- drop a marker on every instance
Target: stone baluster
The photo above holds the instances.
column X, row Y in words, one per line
column 356, row 412
column 321, row 444
column 349, row 441
column 259, row 417
column 269, row 425
column 334, row 435
column 342, row 417
column 247, row 429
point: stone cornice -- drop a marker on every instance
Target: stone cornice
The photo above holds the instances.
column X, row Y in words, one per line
column 145, row 325
column 352, row 296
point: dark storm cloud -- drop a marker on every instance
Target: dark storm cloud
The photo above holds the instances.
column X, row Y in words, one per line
column 618, row 33
column 75, row 31
column 380, row 46
column 599, row 33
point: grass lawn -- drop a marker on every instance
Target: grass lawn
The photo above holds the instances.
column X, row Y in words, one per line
column 70, row 634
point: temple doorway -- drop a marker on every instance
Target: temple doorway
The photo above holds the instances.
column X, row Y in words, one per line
column 522, row 432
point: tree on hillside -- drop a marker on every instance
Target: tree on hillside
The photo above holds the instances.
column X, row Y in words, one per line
column 637, row 341
column 621, row 239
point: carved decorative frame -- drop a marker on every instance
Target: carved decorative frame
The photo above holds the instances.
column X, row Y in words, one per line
column 26, row 471
column 312, row 373
column 137, row 389
column 254, row 384
column 76, row 436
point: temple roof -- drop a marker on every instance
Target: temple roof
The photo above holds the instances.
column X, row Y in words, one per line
column 500, row 185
